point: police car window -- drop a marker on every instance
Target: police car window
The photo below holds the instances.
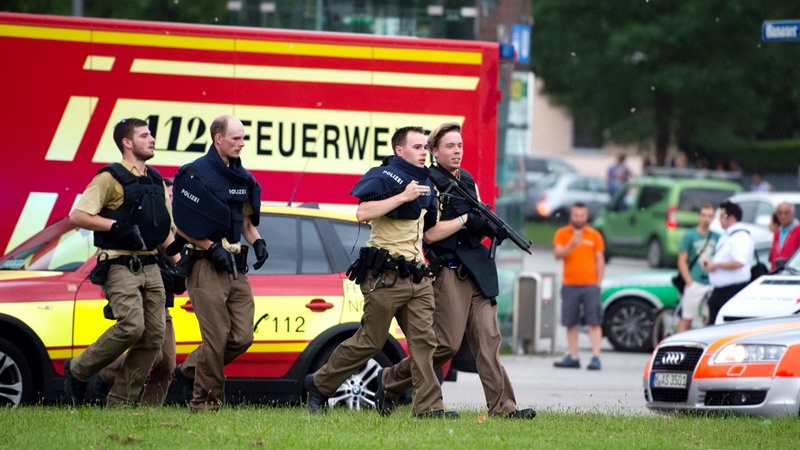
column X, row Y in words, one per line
column 352, row 236
column 282, row 236
column 313, row 260
column 63, row 253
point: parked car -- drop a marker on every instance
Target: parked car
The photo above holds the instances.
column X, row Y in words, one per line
column 631, row 304
column 771, row 295
column 648, row 216
column 537, row 167
column 304, row 307
column 551, row 197
column 747, row 367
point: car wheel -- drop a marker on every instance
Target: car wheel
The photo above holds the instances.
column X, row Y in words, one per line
column 628, row 325
column 655, row 254
column 560, row 215
column 358, row 390
column 16, row 382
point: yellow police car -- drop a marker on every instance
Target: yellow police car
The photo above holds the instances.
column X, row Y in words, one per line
column 305, row 306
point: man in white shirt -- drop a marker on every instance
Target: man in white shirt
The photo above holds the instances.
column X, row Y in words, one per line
column 729, row 269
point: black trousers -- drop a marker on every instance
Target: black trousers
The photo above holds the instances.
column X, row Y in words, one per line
column 720, row 296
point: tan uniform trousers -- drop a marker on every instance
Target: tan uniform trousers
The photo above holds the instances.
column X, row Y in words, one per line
column 224, row 308
column 138, row 304
column 412, row 304
column 461, row 307
column 157, row 383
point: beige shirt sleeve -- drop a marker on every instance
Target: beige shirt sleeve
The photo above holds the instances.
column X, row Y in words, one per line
column 102, row 192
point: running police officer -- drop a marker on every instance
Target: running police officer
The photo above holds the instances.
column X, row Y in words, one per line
column 394, row 198
column 465, row 286
column 217, row 201
column 127, row 207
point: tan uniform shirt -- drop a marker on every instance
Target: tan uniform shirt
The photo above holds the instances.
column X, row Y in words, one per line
column 399, row 237
column 104, row 191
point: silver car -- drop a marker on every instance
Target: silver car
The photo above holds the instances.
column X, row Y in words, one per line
column 750, row 367
column 551, row 197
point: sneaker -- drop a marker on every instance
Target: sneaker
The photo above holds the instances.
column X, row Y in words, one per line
column 383, row 404
column 439, row 414
column 75, row 388
column 595, row 364
column 317, row 401
column 568, row 362
column 188, row 383
column 527, row 413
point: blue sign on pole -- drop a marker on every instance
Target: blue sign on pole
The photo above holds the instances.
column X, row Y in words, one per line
column 780, row 30
column 521, row 39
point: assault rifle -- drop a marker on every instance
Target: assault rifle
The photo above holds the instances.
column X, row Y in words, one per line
column 503, row 229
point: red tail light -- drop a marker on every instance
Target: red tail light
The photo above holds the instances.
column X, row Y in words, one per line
column 672, row 217
column 541, row 206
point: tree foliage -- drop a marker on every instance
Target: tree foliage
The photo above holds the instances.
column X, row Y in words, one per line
column 187, row 11
column 656, row 73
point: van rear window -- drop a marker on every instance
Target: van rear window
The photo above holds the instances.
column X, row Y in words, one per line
column 692, row 198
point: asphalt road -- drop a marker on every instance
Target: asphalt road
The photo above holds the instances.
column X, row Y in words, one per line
column 617, row 388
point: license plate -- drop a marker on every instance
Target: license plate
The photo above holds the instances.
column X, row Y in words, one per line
column 670, row 380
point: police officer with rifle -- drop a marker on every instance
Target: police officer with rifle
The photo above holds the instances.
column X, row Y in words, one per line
column 465, row 284
column 217, row 201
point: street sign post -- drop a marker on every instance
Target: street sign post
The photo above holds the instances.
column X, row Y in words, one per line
column 780, row 30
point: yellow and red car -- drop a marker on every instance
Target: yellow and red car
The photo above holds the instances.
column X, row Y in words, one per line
column 305, row 306
column 749, row 366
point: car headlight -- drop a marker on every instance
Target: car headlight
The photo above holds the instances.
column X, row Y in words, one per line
column 741, row 353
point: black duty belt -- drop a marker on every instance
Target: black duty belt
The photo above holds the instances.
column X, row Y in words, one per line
column 135, row 263
column 240, row 258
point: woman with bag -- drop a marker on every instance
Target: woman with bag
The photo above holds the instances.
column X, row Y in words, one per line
column 696, row 247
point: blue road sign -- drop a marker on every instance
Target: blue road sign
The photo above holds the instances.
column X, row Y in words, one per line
column 521, row 39
column 780, row 30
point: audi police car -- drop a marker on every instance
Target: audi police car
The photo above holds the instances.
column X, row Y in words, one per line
column 750, row 367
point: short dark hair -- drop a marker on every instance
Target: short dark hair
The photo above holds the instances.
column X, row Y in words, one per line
column 437, row 134
column 124, row 130
column 399, row 136
column 731, row 209
column 579, row 205
column 706, row 206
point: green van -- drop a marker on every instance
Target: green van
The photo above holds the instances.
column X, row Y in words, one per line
column 648, row 216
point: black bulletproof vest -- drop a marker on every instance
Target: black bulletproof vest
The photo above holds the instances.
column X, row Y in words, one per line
column 143, row 205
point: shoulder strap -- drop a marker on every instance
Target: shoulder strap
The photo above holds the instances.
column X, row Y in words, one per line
column 120, row 173
column 758, row 261
column 697, row 256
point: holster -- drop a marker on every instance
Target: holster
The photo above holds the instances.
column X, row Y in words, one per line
column 99, row 274
column 379, row 261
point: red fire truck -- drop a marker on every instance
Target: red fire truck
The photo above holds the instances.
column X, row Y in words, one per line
column 319, row 109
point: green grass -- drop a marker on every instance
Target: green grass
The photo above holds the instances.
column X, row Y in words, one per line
column 541, row 233
column 62, row 427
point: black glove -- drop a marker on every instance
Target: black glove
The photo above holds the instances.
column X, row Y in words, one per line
column 260, row 247
column 476, row 223
column 126, row 234
column 176, row 246
column 221, row 258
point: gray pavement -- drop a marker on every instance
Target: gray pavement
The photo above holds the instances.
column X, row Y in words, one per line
column 617, row 388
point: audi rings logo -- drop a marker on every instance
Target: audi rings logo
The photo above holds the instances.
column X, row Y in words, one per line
column 673, row 358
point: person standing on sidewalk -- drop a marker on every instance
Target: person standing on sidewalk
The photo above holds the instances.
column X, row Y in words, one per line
column 581, row 248
column 696, row 247
column 465, row 287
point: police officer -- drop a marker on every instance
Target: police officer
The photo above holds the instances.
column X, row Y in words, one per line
column 216, row 202
column 465, row 286
column 127, row 207
column 394, row 198
column 160, row 377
